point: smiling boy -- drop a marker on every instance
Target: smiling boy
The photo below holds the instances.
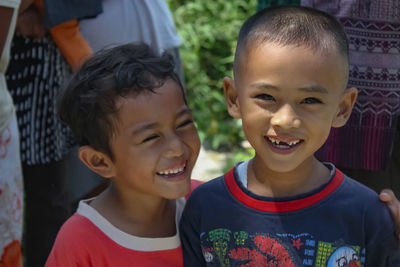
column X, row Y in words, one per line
column 283, row 207
column 128, row 112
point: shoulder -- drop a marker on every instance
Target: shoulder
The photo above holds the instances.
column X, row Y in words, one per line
column 76, row 229
column 360, row 193
column 376, row 213
column 358, row 196
column 207, row 188
column 78, row 237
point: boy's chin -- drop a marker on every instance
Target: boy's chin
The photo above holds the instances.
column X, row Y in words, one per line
column 178, row 191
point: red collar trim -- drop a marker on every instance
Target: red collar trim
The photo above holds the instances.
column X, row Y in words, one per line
column 270, row 206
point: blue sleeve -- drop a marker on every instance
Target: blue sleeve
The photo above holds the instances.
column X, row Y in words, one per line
column 382, row 247
column 189, row 229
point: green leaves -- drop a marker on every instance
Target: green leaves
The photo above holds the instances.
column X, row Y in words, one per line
column 209, row 29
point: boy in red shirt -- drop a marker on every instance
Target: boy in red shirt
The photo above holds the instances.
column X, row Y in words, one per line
column 128, row 112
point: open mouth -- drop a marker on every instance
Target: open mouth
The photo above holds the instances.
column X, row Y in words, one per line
column 283, row 144
column 173, row 171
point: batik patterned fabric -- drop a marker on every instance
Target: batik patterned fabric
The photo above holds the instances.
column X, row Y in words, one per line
column 35, row 76
column 11, row 197
column 342, row 223
column 373, row 29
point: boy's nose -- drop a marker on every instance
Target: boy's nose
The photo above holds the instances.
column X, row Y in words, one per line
column 175, row 146
column 285, row 117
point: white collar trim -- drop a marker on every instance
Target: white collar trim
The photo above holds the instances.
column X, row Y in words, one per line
column 131, row 241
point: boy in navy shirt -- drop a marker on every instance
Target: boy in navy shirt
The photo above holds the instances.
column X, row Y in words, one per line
column 283, row 207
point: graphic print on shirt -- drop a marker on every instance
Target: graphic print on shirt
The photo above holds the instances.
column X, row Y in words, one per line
column 223, row 247
column 332, row 255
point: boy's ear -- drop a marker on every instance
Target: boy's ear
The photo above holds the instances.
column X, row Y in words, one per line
column 345, row 107
column 97, row 161
column 231, row 97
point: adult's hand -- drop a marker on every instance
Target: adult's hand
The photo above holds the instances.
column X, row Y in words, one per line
column 393, row 204
column 30, row 23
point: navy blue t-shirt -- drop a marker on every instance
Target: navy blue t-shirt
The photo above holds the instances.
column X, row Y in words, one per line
column 342, row 223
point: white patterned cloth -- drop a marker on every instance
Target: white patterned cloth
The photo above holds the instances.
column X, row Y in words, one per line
column 11, row 189
column 6, row 105
column 11, row 195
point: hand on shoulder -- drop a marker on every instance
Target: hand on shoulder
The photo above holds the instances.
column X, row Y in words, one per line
column 393, row 204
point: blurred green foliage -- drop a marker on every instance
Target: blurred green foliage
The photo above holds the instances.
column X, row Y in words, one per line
column 209, row 30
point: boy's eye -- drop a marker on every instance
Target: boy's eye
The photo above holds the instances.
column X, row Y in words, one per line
column 311, row 100
column 187, row 122
column 265, row 97
column 152, row 137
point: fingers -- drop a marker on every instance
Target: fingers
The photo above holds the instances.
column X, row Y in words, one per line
column 387, row 195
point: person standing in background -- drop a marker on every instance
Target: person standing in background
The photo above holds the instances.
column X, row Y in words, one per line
column 46, row 47
column 127, row 21
column 11, row 184
column 368, row 147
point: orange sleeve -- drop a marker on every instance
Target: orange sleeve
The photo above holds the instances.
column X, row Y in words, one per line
column 69, row 40
column 71, row 43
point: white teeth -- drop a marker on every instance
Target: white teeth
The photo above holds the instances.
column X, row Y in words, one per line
column 294, row 142
column 291, row 143
column 274, row 141
column 171, row 171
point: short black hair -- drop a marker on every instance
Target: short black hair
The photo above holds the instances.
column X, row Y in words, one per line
column 292, row 26
column 88, row 103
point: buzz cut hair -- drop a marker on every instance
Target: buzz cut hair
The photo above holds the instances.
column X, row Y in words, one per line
column 292, row 26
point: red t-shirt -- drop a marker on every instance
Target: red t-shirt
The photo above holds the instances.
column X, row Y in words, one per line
column 88, row 239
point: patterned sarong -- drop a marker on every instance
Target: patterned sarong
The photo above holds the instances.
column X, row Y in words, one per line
column 373, row 29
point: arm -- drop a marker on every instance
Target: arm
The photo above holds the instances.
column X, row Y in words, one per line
column 71, row 43
column 393, row 204
column 66, row 35
column 6, row 14
column 30, row 23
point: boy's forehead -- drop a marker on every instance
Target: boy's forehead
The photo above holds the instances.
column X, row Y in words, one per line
column 141, row 103
column 269, row 59
column 250, row 53
column 145, row 94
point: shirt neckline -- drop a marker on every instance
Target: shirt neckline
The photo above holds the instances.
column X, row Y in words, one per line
column 130, row 241
column 282, row 206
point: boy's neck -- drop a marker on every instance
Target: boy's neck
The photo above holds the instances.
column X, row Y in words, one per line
column 266, row 182
column 137, row 214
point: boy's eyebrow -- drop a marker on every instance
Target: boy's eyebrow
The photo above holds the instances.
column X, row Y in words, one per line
column 315, row 89
column 310, row 89
column 262, row 85
column 149, row 126
column 144, row 127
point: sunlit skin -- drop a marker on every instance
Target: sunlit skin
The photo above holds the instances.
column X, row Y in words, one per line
column 155, row 147
column 288, row 98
